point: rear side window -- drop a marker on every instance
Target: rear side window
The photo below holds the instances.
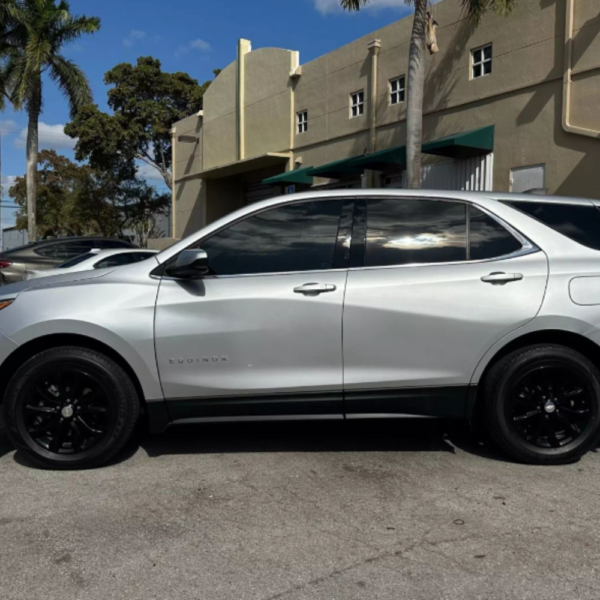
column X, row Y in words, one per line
column 112, row 244
column 488, row 238
column 296, row 237
column 579, row 223
column 75, row 261
column 411, row 231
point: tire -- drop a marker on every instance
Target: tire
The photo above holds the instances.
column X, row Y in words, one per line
column 542, row 404
column 70, row 408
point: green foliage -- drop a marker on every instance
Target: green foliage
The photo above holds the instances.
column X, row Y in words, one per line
column 77, row 200
column 145, row 102
column 32, row 35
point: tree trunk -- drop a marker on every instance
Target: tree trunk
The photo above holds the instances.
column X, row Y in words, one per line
column 416, row 84
column 31, row 176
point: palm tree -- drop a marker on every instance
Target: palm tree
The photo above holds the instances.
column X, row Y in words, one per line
column 416, row 71
column 33, row 33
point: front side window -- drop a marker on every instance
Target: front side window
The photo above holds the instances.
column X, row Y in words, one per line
column 489, row 239
column 357, row 104
column 579, row 223
column 411, row 231
column 302, row 121
column 397, row 90
column 481, row 62
column 295, row 237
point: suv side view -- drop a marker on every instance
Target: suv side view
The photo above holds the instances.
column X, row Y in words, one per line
column 39, row 256
column 325, row 305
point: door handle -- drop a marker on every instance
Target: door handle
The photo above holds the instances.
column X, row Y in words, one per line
column 501, row 278
column 314, row 289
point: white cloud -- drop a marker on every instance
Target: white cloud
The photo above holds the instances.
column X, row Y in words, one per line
column 7, row 182
column 198, row 44
column 149, row 173
column 51, row 137
column 7, row 127
column 135, row 35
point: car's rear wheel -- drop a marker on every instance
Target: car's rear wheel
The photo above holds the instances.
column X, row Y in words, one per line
column 542, row 404
column 70, row 408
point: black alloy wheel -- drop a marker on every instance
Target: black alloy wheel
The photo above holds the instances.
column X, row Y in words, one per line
column 542, row 404
column 552, row 405
column 70, row 408
column 68, row 411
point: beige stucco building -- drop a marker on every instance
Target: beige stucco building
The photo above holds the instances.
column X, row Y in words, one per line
column 511, row 104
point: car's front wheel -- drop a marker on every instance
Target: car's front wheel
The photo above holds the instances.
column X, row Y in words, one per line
column 70, row 408
column 542, row 404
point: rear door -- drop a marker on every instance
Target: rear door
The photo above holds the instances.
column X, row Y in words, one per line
column 432, row 287
column 262, row 334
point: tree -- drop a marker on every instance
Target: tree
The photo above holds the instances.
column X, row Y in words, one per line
column 34, row 32
column 416, row 70
column 145, row 102
column 77, row 200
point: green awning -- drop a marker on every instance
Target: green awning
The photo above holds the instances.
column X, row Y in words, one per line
column 463, row 145
column 337, row 169
column 299, row 176
column 383, row 159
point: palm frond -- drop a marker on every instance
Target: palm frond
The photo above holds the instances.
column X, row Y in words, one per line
column 72, row 82
column 475, row 9
column 353, row 5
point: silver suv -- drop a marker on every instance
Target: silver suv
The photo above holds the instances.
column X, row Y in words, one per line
column 339, row 304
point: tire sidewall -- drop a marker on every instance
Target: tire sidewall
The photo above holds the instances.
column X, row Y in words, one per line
column 107, row 373
column 500, row 405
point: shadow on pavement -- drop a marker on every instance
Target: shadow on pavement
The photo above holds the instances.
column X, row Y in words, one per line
column 392, row 435
column 402, row 435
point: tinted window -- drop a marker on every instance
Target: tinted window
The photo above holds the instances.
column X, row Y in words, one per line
column 112, row 244
column 489, row 239
column 79, row 247
column 119, row 260
column 406, row 231
column 48, row 251
column 579, row 223
column 296, row 237
column 74, row 261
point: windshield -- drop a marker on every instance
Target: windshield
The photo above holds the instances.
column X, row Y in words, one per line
column 75, row 261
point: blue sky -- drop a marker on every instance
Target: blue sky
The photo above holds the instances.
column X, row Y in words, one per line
column 195, row 36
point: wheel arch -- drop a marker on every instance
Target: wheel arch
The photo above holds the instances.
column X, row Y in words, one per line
column 569, row 339
column 25, row 351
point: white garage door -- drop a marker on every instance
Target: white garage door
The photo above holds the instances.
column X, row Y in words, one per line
column 470, row 174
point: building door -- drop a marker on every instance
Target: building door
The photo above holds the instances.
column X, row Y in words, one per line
column 262, row 333
column 469, row 174
column 255, row 191
column 527, row 179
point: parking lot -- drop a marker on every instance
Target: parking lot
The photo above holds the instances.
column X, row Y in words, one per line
column 412, row 509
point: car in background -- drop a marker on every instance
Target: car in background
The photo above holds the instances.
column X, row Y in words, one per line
column 95, row 259
column 47, row 254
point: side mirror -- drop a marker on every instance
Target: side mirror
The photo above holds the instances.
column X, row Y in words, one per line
column 190, row 264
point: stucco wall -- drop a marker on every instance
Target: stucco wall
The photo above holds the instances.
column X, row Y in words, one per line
column 522, row 98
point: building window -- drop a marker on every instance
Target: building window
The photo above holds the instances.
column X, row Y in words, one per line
column 302, row 119
column 357, row 104
column 397, row 90
column 481, row 61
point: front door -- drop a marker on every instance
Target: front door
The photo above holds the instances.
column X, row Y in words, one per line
column 262, row 334
column 440, row 282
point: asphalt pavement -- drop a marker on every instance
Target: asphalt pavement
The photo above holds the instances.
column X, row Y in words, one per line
column 335, row 511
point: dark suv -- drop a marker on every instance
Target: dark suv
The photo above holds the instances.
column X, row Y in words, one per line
column 46, row 254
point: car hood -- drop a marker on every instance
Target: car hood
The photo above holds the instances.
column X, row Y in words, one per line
column 12, row 290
